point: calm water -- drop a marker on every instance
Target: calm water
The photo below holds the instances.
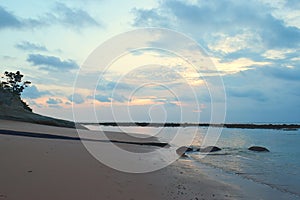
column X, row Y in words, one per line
column 279, row 168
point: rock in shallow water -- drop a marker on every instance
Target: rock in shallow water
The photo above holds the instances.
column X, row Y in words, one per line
column 210, row 149
column 258, row 148
column 182, row 150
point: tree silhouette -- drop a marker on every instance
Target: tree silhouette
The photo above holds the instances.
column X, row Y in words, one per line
column 13, row 82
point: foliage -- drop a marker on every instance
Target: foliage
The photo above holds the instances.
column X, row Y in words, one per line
column 11, row 87
column 12, row 82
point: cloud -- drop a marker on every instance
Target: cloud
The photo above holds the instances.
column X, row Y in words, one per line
column 258, row 95
column 109, row 98
column 102, row 98
column 276, row 54
column 5, row 57
column 295, row 4
column 28, row 46
column 285, row 73
column 270, row 85
column 246, row 52
column 8, row 20
column 276, row 34
column 61, row 14
column 119, row 98
column 51, row 63
column 205, row 19
column 32, row 102
column 244, row 93
column 112, row 85
column 76, row 98
column 228, row 44
column 72, row 17
column 149, row 18
column 54, row 101
column 32, row 92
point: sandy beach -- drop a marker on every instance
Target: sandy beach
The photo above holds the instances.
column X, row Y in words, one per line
column 150, row 100
column 36, row 166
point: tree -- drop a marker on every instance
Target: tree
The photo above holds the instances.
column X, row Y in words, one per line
column 11, row 87
column 13, row 82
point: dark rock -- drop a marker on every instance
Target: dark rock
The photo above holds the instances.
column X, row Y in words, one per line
column 182, row 150
column 258, row 148
column 210, row 149
column 189, row 149
column 195, row 148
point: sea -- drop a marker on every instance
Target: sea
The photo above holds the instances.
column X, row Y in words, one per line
column 279, row 168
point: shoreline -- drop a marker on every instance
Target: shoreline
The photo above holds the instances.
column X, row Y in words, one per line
column 248, row 188
column 42, row 168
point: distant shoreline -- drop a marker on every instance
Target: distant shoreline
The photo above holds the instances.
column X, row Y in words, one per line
column 287, row 127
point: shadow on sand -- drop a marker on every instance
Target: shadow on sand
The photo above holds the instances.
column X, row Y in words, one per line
column 60, row 137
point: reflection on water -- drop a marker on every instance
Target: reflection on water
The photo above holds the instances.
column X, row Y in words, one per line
column 279, row 168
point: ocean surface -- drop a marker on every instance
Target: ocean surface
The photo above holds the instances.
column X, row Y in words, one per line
column 279, row 168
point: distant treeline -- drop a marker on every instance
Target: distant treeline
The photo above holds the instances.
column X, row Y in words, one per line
column 244, row 126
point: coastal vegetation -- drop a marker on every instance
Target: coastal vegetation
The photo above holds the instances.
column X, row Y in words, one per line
column 11, row 87
column 13, row 82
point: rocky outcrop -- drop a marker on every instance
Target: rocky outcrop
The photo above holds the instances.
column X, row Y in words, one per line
column 13, row 108
column 209, row 149
column 182, row 150
column 258, row 149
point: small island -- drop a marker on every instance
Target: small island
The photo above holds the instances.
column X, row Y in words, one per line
column 285, row 127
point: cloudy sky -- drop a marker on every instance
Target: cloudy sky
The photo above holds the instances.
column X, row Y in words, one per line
column 253, row 47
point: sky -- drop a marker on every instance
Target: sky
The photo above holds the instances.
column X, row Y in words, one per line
column 248, row 70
